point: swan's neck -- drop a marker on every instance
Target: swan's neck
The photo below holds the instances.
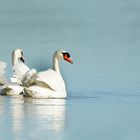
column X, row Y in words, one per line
column 14, row 59
column 56, row 65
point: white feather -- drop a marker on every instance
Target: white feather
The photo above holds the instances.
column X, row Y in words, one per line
column 19, row 69
column 52, row 79
column 2, row 72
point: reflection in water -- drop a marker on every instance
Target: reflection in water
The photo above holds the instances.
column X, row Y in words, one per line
column 1, row 106
column 51, row 112
column 17, row 114
column 35, row 116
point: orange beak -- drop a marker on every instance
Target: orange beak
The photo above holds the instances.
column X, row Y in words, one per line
column 68, row 59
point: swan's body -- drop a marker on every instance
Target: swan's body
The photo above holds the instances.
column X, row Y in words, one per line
column 13, row 87
column 2, row 73
column 49, row 83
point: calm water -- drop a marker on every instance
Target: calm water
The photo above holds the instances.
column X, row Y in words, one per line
column 102, row 116
column 103, row 84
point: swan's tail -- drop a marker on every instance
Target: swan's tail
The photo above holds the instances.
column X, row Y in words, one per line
column 2, row 73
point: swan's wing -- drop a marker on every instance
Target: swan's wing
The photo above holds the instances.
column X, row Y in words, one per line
column 2, row 72
column 51, row 80
column 19, row 70
column 29, row 78
column 14, row 79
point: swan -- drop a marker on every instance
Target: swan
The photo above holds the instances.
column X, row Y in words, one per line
column 49, row 83
column 14, row 86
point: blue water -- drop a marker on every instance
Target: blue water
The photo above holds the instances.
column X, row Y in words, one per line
column 79, row 117
column 103, row 83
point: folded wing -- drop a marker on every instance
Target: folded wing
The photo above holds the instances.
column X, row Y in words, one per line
column 50, row 79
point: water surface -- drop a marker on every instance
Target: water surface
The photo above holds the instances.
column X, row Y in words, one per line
column 102, row 116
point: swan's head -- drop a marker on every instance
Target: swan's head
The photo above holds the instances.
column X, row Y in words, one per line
column 17, row 55
column 63, row 55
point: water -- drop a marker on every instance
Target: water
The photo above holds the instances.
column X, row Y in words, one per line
column 103, row 83
column 80, row 117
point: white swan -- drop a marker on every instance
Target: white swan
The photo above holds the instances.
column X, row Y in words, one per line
column 48, row 84
column 18, row 65
column 13, row 87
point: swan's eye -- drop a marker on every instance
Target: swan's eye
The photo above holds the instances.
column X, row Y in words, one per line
column 66, row 54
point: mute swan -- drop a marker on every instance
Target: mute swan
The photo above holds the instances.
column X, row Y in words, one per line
column 13, row 87
column 49, row 83
column 18, row 65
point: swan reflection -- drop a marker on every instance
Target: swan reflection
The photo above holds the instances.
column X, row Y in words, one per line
column 51, row 112
column 37, row 115
column 17, row 114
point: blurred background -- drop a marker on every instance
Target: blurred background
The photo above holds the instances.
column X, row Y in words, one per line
column 101, row 36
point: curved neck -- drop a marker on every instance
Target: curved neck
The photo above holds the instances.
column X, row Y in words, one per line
column 56, row 65
column 14, row 59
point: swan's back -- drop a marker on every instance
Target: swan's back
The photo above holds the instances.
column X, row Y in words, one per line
column 51, row 79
